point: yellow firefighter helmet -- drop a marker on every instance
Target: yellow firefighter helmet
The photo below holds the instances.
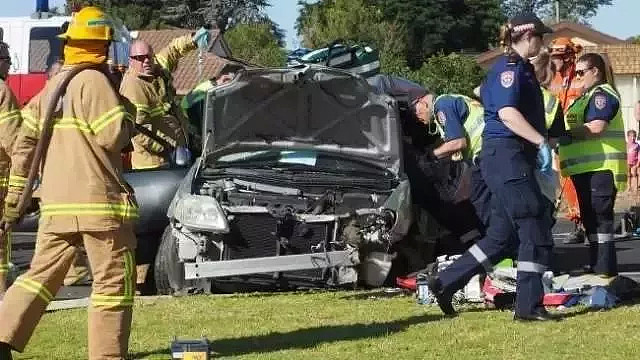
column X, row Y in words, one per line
column 90, row 23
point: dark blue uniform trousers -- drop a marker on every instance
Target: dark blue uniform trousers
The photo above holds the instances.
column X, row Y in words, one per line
column 596, row 196
column 518, row 211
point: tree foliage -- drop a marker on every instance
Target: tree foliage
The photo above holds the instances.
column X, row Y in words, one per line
column 256, row 44
column 448, row 74
column 444, row 25
column 571, row 10
column 190, row 14
column 224, row 14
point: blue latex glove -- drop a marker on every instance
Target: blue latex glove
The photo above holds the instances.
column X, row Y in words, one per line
column 544, row 157
column 202, row 38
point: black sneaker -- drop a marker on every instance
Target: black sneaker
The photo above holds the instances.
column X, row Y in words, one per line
column 443, row 297
column 539, row 315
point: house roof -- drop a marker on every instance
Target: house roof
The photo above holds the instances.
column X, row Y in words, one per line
column 185, row 77
column 588, row 35
column 624, row 58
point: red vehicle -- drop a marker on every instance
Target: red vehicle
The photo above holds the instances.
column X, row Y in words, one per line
column 34, row 46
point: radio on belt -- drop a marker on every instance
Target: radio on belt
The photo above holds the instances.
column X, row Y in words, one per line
column 190, row 349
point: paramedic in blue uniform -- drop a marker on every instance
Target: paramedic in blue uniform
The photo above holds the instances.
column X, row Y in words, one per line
column 514, row 145
column 462, row 121
column 421, row 165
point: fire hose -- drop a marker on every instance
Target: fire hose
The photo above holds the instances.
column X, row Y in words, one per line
column 43, row 142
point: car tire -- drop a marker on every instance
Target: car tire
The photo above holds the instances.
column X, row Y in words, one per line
column 169, row 270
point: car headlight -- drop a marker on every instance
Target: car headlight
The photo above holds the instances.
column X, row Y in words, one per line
column 201, row 213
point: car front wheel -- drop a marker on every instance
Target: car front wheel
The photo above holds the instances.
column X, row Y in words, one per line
column 169, row 270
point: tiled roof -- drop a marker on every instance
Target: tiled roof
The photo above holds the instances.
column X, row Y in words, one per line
column 186, row 75
column 568, row 29
column 624, row 58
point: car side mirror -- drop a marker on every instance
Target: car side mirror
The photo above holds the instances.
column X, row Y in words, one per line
column 181, row 156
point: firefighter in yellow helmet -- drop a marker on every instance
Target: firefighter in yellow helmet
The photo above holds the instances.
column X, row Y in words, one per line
column 9, row 125
column 95, row 207
column 148, row 85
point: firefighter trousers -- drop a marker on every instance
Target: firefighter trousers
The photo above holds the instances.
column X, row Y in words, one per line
column 5, row 259
column 597, row 196
column 112, row 263
column 520, row 218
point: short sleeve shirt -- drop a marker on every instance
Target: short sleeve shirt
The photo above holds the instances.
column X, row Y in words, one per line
column 511, row 82
column 451, row 112
column 602, row 106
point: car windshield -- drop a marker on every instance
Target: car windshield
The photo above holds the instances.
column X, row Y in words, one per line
column 303, row 160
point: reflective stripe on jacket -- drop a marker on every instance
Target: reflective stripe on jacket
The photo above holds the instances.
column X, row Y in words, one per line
column 606, row 152
column 9, row 125
column 153, row 97
column 78, row 190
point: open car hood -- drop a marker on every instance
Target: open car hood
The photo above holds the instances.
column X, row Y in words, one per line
column 306, row 108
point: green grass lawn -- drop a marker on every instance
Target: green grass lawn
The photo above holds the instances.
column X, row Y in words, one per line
column 347, row 325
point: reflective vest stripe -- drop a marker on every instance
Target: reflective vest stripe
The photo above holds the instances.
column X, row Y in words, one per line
column 592, row 158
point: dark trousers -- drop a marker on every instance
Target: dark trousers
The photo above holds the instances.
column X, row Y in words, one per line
column 596, row 197
column 520, row 217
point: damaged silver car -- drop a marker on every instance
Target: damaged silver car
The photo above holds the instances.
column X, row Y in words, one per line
column 299, row 184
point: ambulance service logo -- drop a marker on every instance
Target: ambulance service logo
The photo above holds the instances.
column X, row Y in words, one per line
column 442, row 118
column 600, row 101
column 506, row 78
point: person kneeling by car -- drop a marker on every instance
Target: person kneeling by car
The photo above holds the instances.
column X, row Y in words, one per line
column 432, row 186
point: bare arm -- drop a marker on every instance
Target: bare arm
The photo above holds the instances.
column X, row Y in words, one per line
column 513, row 119
column 450, row 147
column 590, row 130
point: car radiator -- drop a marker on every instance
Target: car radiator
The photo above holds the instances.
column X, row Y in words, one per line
column 256, row 235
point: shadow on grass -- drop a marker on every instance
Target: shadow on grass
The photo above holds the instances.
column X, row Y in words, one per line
column 305, row 338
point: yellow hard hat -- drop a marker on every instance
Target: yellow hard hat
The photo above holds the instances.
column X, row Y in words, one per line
column 90, row 23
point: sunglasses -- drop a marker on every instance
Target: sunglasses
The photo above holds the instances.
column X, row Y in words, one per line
column 580, row 73
column 6, row 58
column 141, row 58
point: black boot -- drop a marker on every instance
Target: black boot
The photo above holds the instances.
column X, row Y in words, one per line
column 5, row 351
column 541, row 314
column 443, row 297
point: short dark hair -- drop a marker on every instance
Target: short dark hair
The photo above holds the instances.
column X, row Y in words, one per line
column 631, row 132
column 596, row 61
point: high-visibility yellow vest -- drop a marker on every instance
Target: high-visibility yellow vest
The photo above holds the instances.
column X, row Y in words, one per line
column 606, row 152
column 199, row 93
column 551, row 107
column 473, row 125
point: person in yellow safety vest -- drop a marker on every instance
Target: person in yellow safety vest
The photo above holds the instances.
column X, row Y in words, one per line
column 594, row 155
column 192, row 105
column 91, row 127
column 147, row 84
column 9, row 124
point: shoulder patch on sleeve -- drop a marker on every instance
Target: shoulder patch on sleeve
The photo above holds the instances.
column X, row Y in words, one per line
column 600, row 100
column 442, row 117
column 506, row 78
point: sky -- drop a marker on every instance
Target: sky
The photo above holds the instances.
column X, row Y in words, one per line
column 619, row 20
